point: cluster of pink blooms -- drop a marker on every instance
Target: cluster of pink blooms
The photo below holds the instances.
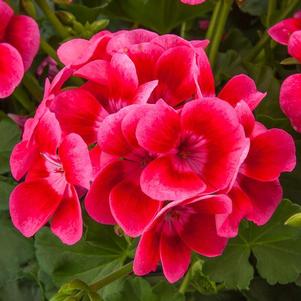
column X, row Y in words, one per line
column 19, row 43
column 288, row 32
column 151, row 147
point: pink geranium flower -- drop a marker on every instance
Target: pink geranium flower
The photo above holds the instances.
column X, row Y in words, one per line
column 199, row 148
column 49, row 191
column 161, row 154
column 115, row 195
column 290, row 100
column 178, row 229
column 19, row 43
column 256, row 192
column 288, row 32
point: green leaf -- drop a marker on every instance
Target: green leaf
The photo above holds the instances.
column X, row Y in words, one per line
column 9, row 136
column 131, row 288
column 275, row 247
column 6, row 187
column 254, row 7
column 16, row 251
column 161, row 16
column 233, row 267
column 164, row 291
column 96, row 255
column 260, row 290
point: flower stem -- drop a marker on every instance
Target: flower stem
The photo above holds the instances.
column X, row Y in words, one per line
column 32, row 86
column 21, row 96
column 219, row 30
column 58, row 26
column 271, row 8
column 185, row 283
column 265, row 37
column 47, row 48
column 213, row 20
column 123, row 271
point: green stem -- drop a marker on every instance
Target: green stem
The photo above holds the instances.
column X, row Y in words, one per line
column 265, row 38
column 58, row 26
column 47, row 48
column 32, row 85
column 183, row 30
column 123, row 271
column 185, row 283
column 213, row 20
column 271, row 8
column 21, row 96
column 219, row 30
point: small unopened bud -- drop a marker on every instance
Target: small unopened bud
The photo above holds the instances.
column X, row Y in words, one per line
column 65, row 17
column 294, row 220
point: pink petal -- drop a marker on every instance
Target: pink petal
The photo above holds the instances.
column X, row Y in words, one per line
column 294, row 45
column 159, row 130
column 147, row 253
column 67, row 221
column 203, row 239
column 163, row 180
column 144, row 92
column 282, row 31
column 79, row 112
column 74, row 155
column 23, row 33
column 270, row 154
column 227, row 225
column 193, row 2
column 21, row 159
column 264, row 196
column 48, row 134
column 11, row 69
column 174, row 254
column 176, row 87
column 120, row 42
column 205, row 76
column 245, row 117
column 168, row 41
column 290, row 100
column 72, row 51
column 130, row 121
column 110, row 136
column 131, row 208
column 123, row 77
column 6, row 14
column 224, row 140
column 97, row 71
column 97, row 199
column 31, row 205
column 95, row 154
column 145, row 56
column 241, row 87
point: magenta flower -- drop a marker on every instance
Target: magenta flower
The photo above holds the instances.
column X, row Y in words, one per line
column 178, row 229
column 198, row 149
column 288, row 32
column 256, row 192
column 290, row 101
column 19, row 43
column 49, row 191
column 115, row 195
column 156, row 153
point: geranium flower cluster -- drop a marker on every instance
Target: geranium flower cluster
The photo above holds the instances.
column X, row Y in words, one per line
column 150, row 146
column 19, row 43
column 288, row 32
